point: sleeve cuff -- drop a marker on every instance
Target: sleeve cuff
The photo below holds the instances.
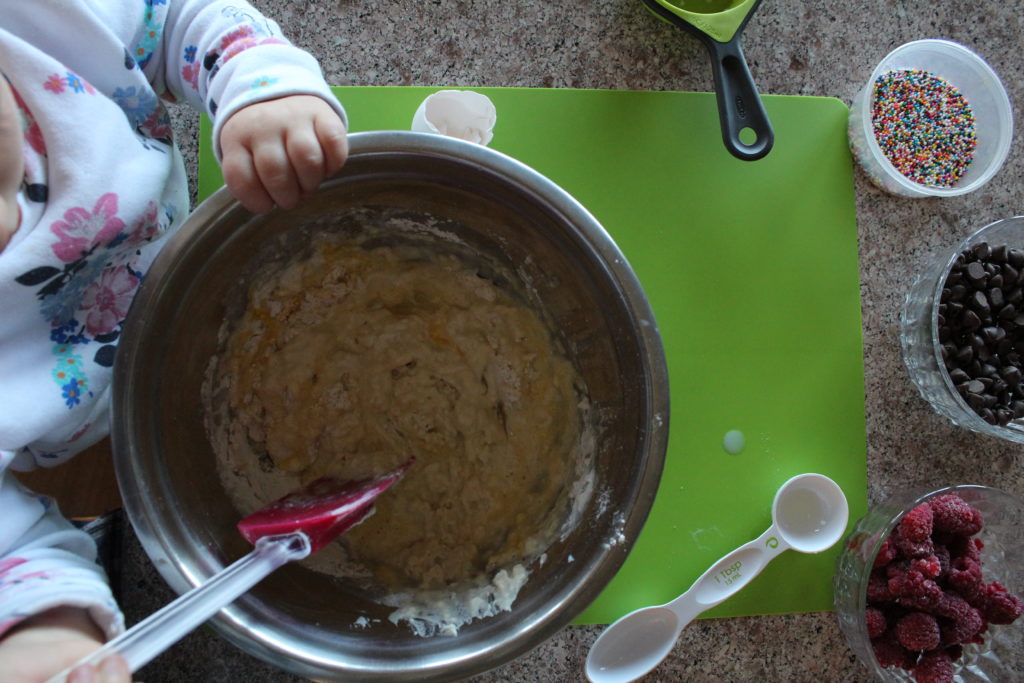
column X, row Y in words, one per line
column 29, row 587
column 261, row 74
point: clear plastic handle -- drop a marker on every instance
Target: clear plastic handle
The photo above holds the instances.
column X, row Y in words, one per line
column 151, row 636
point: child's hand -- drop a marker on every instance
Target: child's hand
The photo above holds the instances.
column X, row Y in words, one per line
column 277, row 151
column 48, row 643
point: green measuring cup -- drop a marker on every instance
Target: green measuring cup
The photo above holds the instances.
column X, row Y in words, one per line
column 718, row 24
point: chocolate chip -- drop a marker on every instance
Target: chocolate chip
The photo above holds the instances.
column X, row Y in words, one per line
column 959, row 376
column 965, row 355
column 975, row 273
column 975, row 401
column 992, row 335
column 970, row 320
column 1016, row 258
column 975, row 386
column 998, row 254
column 979, row 302
column 981, row 250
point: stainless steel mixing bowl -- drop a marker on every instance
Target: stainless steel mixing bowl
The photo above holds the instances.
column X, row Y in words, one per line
column 303, row 621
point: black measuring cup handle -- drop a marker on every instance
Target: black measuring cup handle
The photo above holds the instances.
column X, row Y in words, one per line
column 739, row 105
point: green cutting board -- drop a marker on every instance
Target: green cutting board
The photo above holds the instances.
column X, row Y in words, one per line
column 751, row 269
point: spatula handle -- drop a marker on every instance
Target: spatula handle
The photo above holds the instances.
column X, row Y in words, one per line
column 151, row 636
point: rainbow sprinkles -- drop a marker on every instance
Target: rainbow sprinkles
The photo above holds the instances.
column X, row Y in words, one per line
column 924, row 126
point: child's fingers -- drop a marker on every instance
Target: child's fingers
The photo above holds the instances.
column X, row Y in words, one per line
column 275, row 172
column 306, row 157
column 330, row 131
column 240, row 177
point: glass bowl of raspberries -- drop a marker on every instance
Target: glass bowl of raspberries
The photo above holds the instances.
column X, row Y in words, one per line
column 928, row 587
column 962, row 331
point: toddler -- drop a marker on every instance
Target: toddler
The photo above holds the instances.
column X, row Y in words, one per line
column 91, row 184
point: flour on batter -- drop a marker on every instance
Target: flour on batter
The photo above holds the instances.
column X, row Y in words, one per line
column 354, row 359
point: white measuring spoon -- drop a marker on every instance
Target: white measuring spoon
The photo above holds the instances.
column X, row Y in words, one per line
column 809, row 515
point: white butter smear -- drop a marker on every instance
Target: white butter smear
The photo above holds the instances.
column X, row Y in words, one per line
column 443, row 612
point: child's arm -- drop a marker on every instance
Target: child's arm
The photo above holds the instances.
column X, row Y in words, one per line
column 277, row 128
column 48, row 643
column 52, row 592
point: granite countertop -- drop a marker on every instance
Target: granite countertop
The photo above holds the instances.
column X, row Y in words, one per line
column 820, row 48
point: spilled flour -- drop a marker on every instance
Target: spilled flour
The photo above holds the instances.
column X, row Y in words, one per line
column 360, row 355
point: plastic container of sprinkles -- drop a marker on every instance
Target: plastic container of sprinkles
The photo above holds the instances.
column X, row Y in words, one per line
column 933, row 120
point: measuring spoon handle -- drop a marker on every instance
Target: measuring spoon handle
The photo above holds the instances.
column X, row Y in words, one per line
column 726, row 577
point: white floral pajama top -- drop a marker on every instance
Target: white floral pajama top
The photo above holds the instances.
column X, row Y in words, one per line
column 104, row 186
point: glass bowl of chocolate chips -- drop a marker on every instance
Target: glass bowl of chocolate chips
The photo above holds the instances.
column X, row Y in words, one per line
column 962, row 331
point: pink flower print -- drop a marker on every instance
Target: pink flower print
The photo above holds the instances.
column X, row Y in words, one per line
column 242, row 33
column 146, row 228
column 33, row 134
column 243, row 43
column 158, row 126
column 190, row 74
column 81, row 230
column 9, row 564
column 55, row 83
column 106, row 302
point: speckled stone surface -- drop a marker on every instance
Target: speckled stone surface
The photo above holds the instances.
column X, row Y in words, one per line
column 817, row 47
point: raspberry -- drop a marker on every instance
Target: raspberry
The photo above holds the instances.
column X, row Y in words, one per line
column 965, row 546
column 962, row 629
column 890, row 653
column 952, row 606
column 966, row 579
column 916, row 525
column 934, row 667
column 918, row 631
column 886, row 553
column 911, row 587
column 878, row 587
column 952, row 514
column 909, row 548
column 876, row 622
column 1000, row 606
column 929, row 567
column 942, row 555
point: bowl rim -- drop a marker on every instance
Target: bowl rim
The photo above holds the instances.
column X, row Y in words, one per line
column 233, row 622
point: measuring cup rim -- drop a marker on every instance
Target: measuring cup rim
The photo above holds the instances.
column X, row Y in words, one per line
column 722, row 26
column 839, row 512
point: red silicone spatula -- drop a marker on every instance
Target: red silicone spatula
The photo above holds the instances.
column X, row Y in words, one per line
column 288, row 529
